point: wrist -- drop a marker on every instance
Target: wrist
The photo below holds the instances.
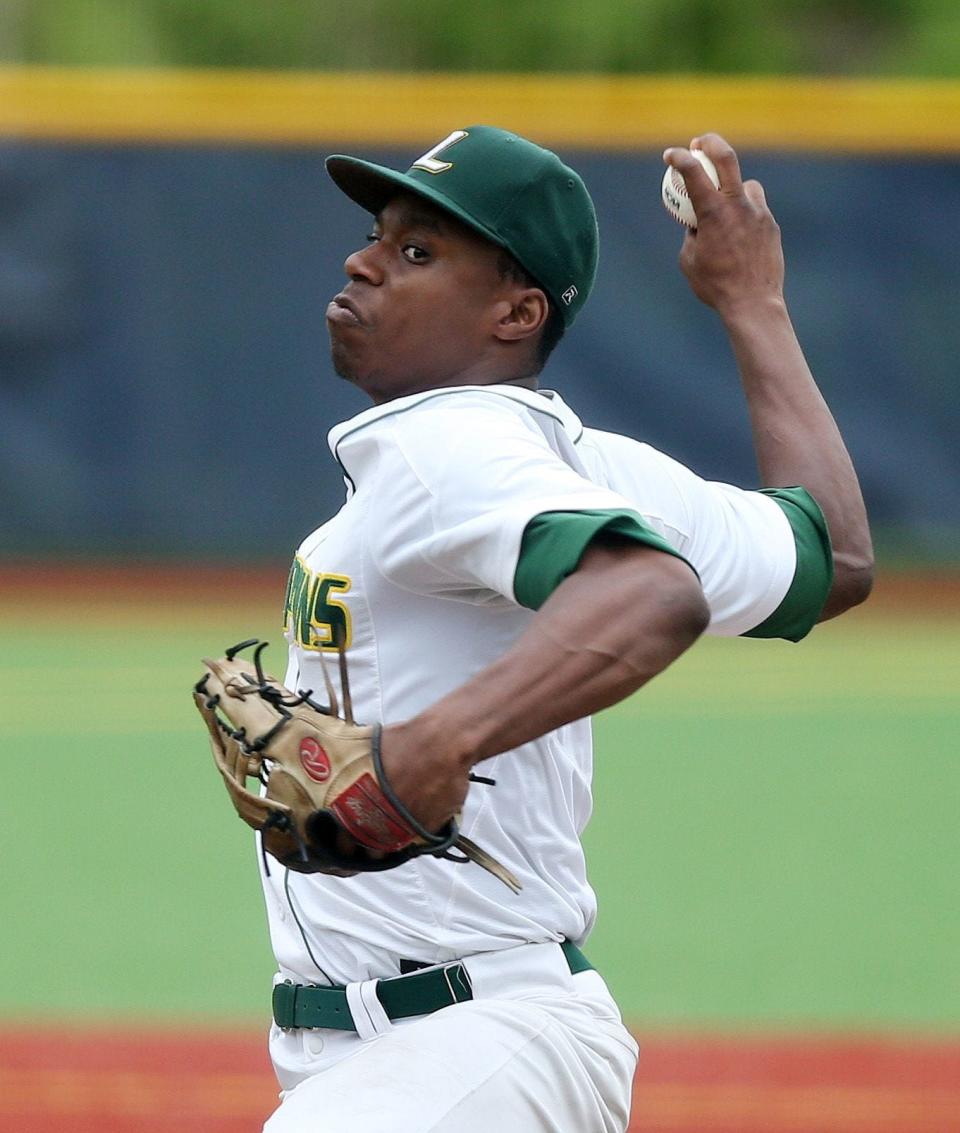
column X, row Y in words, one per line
column 744, row 313
column 434, row 742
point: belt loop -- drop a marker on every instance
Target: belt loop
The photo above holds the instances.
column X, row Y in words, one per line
column 284, row 1004
column 458, row 982
column 369, row 1016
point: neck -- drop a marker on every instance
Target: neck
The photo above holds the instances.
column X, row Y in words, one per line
column 528, row 381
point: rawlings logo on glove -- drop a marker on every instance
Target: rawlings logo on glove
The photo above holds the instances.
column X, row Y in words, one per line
column 326, row 806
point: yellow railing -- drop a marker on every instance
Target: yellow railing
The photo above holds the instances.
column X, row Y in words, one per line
column 290, row 108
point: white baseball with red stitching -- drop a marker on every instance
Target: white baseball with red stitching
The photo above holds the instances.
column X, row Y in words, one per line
column 676, row 199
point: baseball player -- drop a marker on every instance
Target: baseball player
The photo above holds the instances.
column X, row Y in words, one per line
column 498, row 572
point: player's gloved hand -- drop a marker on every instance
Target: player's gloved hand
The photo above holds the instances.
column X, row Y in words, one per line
column 426, row 772
column 327, row 805
column 734, row 256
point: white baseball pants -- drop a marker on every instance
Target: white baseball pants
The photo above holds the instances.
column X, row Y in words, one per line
column 535, row 1051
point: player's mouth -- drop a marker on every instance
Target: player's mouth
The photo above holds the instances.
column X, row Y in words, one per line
column 344, row 312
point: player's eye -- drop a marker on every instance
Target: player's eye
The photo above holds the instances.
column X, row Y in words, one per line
column 372, row 237
column 415, row 254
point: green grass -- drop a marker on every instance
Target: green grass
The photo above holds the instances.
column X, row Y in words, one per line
column 131, row 884
column 774, row 842
column 794, row 849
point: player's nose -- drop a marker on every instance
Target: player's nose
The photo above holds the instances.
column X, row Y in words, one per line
column 363, row 264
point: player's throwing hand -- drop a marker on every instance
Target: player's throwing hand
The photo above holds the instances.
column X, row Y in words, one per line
column 734, row 257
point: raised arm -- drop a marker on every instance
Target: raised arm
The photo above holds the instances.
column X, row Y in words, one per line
column 734, row 263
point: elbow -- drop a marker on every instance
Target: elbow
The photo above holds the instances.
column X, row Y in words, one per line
column 654, row 606
column 668, row 604
column 699, row 615
column 667, row 615
column 852, row 583
column 860, row 582
column 691, row 614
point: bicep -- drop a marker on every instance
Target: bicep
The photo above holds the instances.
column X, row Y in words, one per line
column 763, row 558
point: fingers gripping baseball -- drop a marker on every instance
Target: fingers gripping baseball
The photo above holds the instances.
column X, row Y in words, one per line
column 724, row 158
column 734, row 258
column 755, row 193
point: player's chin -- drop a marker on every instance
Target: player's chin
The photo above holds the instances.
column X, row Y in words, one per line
column 346, row 362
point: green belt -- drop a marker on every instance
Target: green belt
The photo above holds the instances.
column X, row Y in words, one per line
column 298, row 1005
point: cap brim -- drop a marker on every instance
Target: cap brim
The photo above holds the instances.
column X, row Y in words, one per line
column 374, row 186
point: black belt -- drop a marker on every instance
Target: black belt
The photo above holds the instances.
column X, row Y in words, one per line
column 300, row 1005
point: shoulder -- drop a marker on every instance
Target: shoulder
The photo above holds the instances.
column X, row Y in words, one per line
column 620, row 447
column 637, row 468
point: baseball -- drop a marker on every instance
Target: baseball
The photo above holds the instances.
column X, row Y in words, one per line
column 676, row 199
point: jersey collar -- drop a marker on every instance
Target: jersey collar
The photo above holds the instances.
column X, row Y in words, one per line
column 546, row 401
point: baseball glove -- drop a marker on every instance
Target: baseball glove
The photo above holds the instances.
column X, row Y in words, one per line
column 325, row 804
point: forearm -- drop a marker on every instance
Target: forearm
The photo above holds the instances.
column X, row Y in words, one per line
column 797, row 440
column 608, row 629
column 589, row 646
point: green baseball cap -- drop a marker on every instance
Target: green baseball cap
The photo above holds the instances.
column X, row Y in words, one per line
column 517, row 194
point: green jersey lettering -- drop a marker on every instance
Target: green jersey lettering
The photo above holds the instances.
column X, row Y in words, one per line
column 313, row 614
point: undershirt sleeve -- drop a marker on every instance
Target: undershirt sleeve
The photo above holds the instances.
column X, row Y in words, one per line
column 554, row 542
column 803, row 603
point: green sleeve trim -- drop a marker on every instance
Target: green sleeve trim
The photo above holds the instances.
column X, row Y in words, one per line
column 554, row 542
column 800, row 609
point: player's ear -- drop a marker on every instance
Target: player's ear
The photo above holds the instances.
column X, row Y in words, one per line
column 521, row 315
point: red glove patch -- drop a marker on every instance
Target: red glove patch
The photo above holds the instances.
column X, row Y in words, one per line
column 367, row 814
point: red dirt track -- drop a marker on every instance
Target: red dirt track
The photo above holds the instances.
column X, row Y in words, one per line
column 209, row 583
column 102, row 1080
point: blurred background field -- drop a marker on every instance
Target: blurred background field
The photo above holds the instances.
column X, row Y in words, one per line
column 775, row 840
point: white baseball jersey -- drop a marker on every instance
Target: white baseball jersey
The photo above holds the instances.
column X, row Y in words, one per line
column 464, row 508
